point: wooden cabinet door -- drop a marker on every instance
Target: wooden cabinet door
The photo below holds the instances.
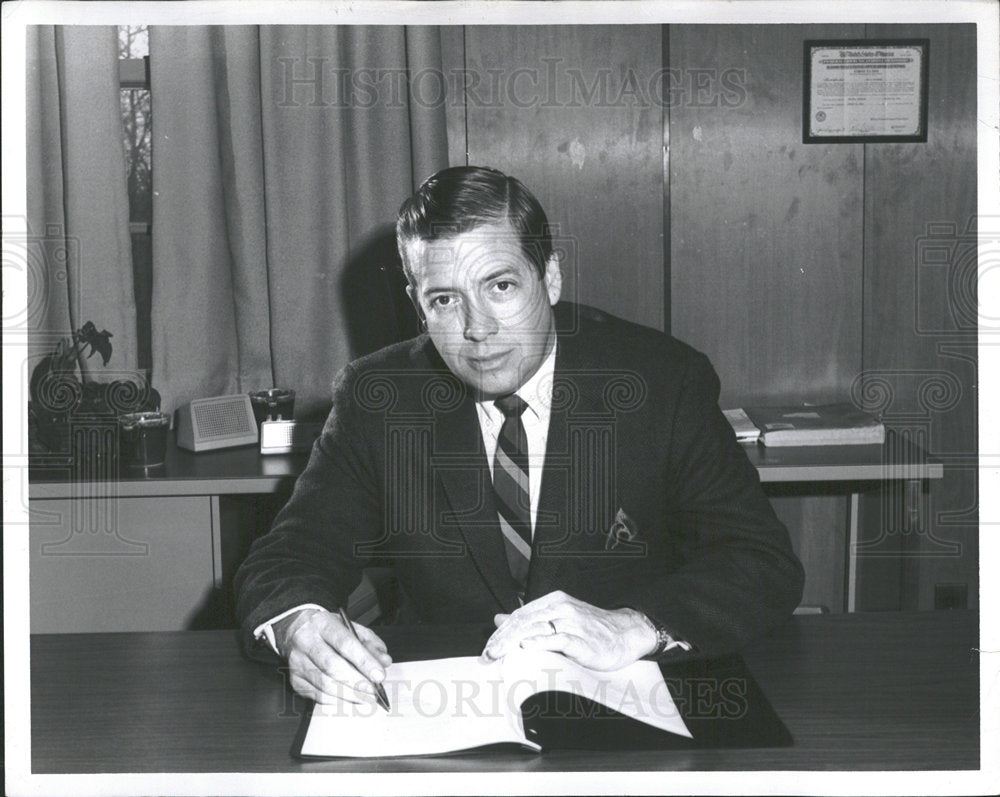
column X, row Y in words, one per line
column 119, row 564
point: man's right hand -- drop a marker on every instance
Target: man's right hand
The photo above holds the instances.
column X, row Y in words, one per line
column 326, row 662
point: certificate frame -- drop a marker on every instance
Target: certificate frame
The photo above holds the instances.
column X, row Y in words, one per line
column 846, row 90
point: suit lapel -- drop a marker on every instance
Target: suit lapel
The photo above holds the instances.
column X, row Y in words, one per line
column 465, row 477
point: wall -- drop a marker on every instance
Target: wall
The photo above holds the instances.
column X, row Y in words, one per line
column 552, row 108
column 797, row 268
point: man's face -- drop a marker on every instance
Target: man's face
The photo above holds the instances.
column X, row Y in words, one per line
column 487, row 310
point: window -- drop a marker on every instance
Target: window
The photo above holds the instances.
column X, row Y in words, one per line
column 133, row 75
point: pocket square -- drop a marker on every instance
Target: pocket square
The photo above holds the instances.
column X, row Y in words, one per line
column 622, row 532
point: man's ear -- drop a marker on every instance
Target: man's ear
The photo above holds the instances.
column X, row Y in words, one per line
column 553, row 279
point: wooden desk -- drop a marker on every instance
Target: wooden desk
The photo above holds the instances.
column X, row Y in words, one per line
column 858, row 692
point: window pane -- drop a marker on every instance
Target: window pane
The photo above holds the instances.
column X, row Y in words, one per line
column 133, row 47
column 137, row 128
column 133, row 41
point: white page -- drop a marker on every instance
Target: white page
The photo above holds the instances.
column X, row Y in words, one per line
column 445, row 705
column 436, row 706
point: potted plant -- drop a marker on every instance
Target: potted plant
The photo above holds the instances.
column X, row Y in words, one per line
column 62, row 395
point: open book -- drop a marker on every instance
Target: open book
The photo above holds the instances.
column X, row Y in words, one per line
column 448, row 705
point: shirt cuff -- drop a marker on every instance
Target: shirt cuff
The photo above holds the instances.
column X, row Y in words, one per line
column 672, row 643
column 266, row 630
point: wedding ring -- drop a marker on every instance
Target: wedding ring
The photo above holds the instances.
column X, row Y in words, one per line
column 552, row 625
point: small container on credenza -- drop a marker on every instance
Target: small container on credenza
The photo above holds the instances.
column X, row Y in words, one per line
column 288, row 437
column 143, row 439
column 273, row 404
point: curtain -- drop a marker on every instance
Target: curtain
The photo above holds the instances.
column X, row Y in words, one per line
column 78, row 249
column 281, row 155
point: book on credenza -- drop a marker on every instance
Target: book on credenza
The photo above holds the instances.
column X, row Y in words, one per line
column 539, row 700
column 816, row 425
column 746, row 430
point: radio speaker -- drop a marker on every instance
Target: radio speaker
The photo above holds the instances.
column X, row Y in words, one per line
column 217, row 422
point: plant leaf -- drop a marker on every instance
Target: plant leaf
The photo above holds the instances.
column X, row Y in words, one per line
column 98, row 341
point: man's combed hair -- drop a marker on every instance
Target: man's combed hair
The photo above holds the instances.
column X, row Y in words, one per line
column 459, row 199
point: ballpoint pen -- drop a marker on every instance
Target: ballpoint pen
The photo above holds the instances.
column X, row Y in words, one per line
column 380, row 695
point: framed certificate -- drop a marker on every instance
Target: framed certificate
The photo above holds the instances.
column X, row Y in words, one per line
column 857, row 90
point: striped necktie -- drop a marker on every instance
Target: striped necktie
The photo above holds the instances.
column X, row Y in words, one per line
column 510, row 488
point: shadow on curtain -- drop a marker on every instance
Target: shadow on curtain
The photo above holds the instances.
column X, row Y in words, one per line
column 281, row 155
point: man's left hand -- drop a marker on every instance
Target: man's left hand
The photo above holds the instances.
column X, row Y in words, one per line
column 601, row 639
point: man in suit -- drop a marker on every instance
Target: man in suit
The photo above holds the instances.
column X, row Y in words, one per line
column 561, row 472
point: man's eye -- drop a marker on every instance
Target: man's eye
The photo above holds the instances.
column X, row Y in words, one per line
column 441, row 301
column 504, row 285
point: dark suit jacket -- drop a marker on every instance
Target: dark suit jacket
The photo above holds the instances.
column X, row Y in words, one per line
column 647, row 500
